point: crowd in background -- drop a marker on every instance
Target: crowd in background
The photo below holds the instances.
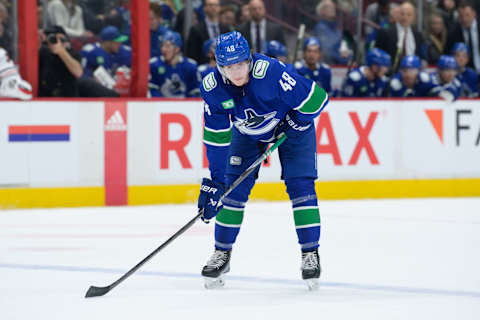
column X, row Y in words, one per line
column 85, row 45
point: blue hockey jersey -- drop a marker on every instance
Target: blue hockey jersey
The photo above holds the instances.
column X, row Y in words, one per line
column 424, row 86
column 322, row 74
column 256, row 108
column 179, row 81
column 93, row 56
column 469, row 83
column 453, row 87
column 357, row 85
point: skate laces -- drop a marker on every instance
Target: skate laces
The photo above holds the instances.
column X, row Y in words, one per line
column 309, row 260
column 217, row 259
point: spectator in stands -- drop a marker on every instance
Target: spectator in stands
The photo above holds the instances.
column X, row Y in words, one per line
column 93, row 12
column 258, row 31
column 243, row 14
column 209, row 52
column 312, row 67
column 378, row 13
column 208, row 29
column 436, row 38
column 157, row 30
column 227, row 17
column 402, row 39
column 468, row 32
column 110, row 53
column 369, row 80
column 330, row 34
column 467, row 76
column 410, row 81
column 449, row 13
column 171, row 75
column 448, row 86
column 6, row 35
column 59, row 66
column 67, row 14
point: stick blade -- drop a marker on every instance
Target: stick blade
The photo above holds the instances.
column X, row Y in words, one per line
column 96, row 291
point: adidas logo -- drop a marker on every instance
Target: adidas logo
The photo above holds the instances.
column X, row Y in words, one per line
column 115, row 122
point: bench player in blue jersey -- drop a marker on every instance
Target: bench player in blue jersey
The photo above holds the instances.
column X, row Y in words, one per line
column 447, row 85
column 249, row 100
column 467, row 76
column 172, row 75
column 410, row 81
column 369, row 80
column 208, row 51
column 311, row 66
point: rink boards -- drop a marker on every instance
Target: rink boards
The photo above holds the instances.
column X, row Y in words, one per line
column 115, row 152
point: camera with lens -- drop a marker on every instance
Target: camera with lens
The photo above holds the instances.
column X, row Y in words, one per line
column 52, row 38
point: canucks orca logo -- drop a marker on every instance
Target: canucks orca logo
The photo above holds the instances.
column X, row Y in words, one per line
column 255, row 124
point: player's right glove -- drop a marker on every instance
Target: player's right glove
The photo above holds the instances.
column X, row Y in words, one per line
column 210, row 193
column 292, row 126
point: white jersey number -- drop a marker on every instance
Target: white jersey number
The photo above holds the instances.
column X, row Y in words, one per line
column 287, row 82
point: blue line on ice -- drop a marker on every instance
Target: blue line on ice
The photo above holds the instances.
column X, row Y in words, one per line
column 396, row 289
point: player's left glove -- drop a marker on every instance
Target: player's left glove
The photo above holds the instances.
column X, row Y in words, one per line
column 210, row 193
column 292, row 126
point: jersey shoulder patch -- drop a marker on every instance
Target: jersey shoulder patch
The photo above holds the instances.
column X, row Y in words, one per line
column 355, row 76
column 424, row 77
column 298, row 65
column 395, row 84
column 325, row 66
column 88, row 47
column 260, row 69
column 192, row 61
column 153, row 60
column 202, row 68
column 209, row 82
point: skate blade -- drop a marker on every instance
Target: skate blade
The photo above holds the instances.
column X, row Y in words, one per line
column 313, row 284
column 214, row 283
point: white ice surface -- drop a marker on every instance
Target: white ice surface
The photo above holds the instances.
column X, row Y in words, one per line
column 388, row 259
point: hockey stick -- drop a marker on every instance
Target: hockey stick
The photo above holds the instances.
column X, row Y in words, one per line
column 100, row 291
column 298, row 45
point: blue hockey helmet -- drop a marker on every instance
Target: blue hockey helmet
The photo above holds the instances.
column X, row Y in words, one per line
column 173, row 37
column 460, row 46
column 311, row 41
column 231, row 48
column 447, row 62
column 207, row 47
column 378, row 57
column 276, row 49
column 410, row 61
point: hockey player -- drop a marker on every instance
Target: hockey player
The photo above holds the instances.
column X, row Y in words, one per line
column 369, row 80
column 209, row 53
column 110, row 53
column 311, row 66
column 410, row 81
column 448, row 86
column 172, row 75
column 467, row 76
column 11, row 83
column 261, row 99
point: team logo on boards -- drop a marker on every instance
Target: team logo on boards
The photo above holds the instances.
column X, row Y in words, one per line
column 38, row 133
column 116, row 122
column 255, row 124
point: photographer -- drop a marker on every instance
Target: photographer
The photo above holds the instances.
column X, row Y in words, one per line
column 59, row 66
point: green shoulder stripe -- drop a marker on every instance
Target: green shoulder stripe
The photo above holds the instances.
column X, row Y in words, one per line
column 217, row 137
column 315, row 100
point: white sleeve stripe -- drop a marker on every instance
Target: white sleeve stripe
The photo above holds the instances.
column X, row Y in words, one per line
column 216, row 144
column 307, row 98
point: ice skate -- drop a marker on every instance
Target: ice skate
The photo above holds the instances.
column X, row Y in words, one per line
column 215, row 269
column 311, row 269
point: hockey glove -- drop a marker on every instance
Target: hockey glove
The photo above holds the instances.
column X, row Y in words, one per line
column 292, row 126
column 210, row 193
